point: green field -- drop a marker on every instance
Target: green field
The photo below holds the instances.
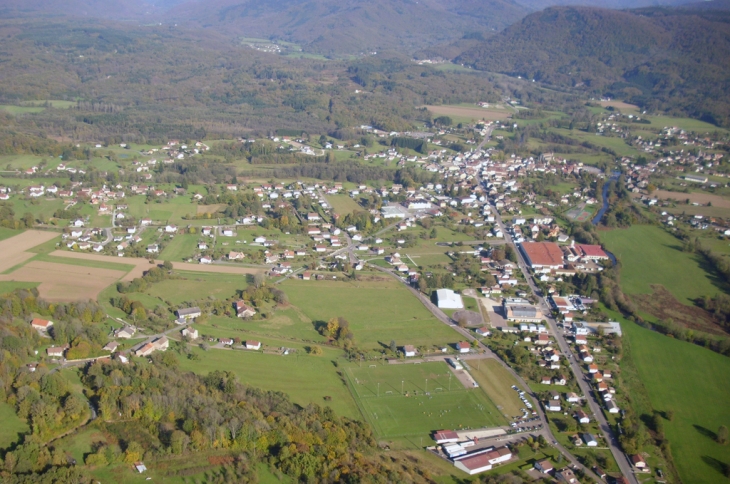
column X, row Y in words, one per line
column 181, row 247
column 197, row 286
column 691, row 381
column 11, row 427
column 378, row 311
column 649, row 255
column 169, row 211
column 343, row 204
column 7, row 233
column 306, row 379
column 430, row 400
column 497, row 382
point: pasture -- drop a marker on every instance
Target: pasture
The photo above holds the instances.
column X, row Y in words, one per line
column 378, row 311
column 468, row 113
column 691, row 381
column 343, row 204
column 181, row 247
column 430, row 400
column 649, row 255
column 497, row 383
column 306, row 379
column 196, row 286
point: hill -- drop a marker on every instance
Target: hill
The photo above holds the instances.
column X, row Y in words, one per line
column 674, row 60
column 352, row 26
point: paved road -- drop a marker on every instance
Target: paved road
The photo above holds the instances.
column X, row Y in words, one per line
column 620, row 457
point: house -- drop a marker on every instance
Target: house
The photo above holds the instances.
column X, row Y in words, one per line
column 153, row 248
column 589, row 440
column 572, row 397
column 236, row 255
column 160, row 344
column 445, row 436
column 171, row 229
column 463, row 347
column 226, row 341
column 638, row 461
column 56, row 351
column 552, row 406
column 546, row 380
column 566, row 475
column 41, row 324
column 560, row 380
column 448, row 299
column 243, row 310
column 111, row 346
column 483, row 331
column 542, row 339
column 140, row 467
column 612, row 407
column 206, row 260
column 189, row 333
column 306, row 276
column 409, row 350
column 189, row 313
column 544, row 466
column 125, row 333
column 253, row 345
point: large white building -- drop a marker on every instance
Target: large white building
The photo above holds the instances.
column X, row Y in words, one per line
column 448, row 299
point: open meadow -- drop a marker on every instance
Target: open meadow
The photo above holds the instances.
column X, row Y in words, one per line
column 497, row 382
column 430, row 400
column 469, row 113
column 378, row 311
column 692, row 382
column 343, row 204
column 12, row 427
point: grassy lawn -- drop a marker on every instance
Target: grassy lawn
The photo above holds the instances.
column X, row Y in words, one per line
column 11, row 427
column 497, row 382
column 649, row 255
column 691, row 381
column 426, row 403
column 343, row 204
column 7, row 233
column 168, row 211
column 306, row 379
column 182, row 247
column 10, row 286
column 198, row 285
column 378, row 311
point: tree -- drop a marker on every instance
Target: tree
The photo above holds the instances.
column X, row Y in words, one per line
column 259, row 279
column 393, row 346
column 722, row 435
column 315, row 350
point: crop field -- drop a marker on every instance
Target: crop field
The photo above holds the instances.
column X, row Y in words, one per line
column 378, row 311
column 623, row 106
column 649, row 255
column 701, row 197
column 306, row 379
column 497, row 383
column 691, row 381
column 211, row 209
column 64, row 282
column 11, row 427
column 469, row 113
column 343, row 204
column 13, row 249
column 430, row 400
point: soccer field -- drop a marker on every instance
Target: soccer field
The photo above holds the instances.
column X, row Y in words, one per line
column 416, row 399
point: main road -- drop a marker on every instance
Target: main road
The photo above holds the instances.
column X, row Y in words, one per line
column 591, row 397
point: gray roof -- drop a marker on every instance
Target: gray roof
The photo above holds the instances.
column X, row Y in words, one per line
column 524, row 311
column 185, row 311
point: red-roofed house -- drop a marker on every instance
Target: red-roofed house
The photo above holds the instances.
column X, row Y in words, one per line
column 41, row 324
column 592, row 252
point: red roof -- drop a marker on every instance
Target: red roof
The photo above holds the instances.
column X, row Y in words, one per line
column 443, row 435
column 476, row 462
column 543, row 253
column 463, row 344
column 42, row 323
column 592, row 251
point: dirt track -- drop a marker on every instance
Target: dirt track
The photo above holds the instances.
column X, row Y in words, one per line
column 64, row 282
column 13, row 250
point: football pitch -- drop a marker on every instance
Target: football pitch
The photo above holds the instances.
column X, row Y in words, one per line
column 416, row 399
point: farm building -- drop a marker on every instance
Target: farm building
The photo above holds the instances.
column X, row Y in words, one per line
column 189, row 313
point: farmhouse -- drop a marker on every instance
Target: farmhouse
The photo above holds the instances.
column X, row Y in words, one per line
column 125, row 332
column 448, row 299
column 56, row 351
column 542, row 256
column 189, row 313
column 41, row 324
column 243, row 310
column 160, row 344
column 253, row 345
column 190, row 333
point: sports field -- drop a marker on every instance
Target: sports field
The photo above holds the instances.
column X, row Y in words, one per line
column 649, row 255
column 378, row 311
column 691, row 381
column 429, row 401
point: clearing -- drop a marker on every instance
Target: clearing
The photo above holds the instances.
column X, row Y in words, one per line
column 620, row 105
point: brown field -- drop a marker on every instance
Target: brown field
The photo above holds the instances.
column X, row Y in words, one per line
column 619, row 105
column 12, row 250
column 701, row 198
column 473, row 113
column 663, row 305
column 64, row 282
column 211, row 209
column 141, row 265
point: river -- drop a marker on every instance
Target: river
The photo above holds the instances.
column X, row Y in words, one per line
column 614, row 176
